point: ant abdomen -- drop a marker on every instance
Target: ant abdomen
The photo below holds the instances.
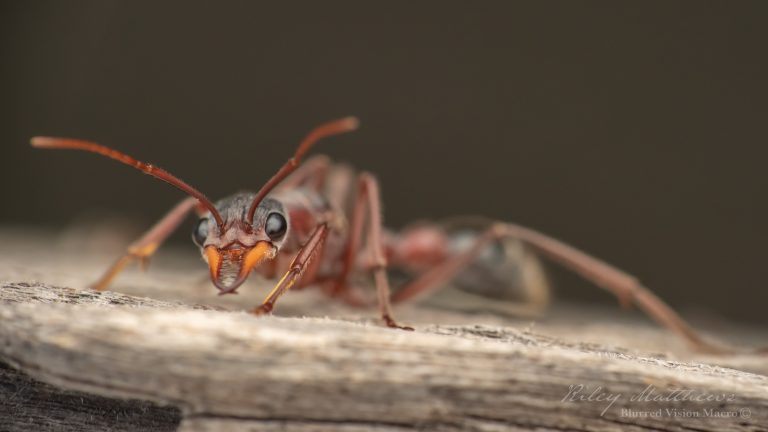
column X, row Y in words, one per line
column 507, row 270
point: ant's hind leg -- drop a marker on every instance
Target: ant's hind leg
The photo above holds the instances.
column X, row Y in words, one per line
column 146, row 245
column 506, row 275
column 622, row 285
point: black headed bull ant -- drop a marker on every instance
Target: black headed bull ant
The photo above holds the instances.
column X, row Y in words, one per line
column 296, row 225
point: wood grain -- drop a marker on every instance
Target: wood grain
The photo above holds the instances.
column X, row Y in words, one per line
column 224, row 367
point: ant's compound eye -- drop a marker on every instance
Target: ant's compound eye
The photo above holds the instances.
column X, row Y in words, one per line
column 201, row 232
column 276, row 226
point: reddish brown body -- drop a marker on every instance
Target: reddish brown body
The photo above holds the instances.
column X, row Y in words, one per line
column 318, row 223
column 414, row 250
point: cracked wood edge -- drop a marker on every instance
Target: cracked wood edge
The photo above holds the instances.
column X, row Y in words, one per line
column 231, row 370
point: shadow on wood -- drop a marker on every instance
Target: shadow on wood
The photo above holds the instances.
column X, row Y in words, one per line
column 28, row 404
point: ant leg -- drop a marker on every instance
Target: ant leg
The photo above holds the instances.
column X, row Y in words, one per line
column 622, row 285
column 309, row 275
column 340, row 287
column 339, row 184
column 368, row 197
column 299, row 264
column 438, row 275
column 332, row 181
column 147, row 244
column 311, row 173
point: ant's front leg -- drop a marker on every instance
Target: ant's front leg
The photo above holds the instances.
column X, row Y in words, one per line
column 299, row 265
column 146, row 245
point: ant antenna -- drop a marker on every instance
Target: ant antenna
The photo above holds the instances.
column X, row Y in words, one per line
column 157, row 172
column 346, row 124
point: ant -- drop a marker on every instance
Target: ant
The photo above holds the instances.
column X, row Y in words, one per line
column 296, row 225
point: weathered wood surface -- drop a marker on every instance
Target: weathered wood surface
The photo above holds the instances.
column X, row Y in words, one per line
column 93, row 361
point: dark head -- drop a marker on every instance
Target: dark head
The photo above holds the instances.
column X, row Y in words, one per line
column 233, row 251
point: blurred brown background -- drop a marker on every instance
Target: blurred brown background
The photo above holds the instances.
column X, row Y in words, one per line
column 636, row 131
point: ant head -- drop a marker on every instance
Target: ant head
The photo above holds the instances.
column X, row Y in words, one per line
column 235, row 248
column 239, row 232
